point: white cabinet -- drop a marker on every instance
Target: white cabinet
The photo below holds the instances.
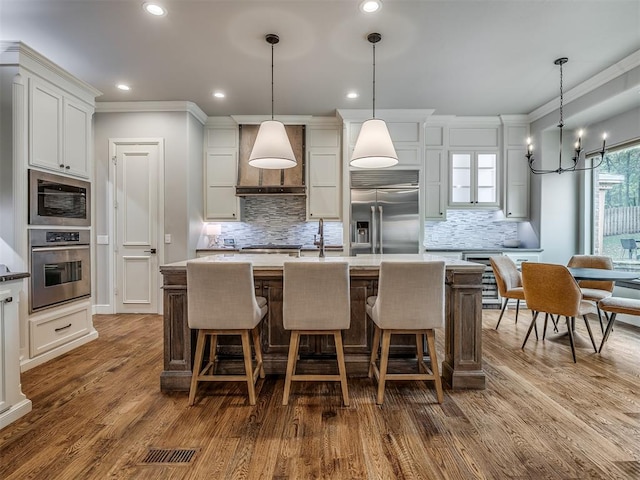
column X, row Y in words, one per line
column 516, row 198
column 473, row 179
column 435, row 173
column 221, row 173
column 13, row 403
column 221, row 202
column 59, row 130
column 324, row 173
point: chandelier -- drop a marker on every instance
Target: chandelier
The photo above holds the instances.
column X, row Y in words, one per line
column 578, row 150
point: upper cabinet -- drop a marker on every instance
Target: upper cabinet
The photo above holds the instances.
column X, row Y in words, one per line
column 324, row 172
column 435, row 173
column 221, row 173
column 59, row 130
column 516, row 178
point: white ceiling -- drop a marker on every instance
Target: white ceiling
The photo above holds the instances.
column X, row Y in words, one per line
column 476, row 57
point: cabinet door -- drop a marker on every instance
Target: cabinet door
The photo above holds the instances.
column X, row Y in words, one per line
column 461, row 174
column 45, row 126
column 324, row 185
column 473, row 179
column 77, row 138
column 221, row 202
column 435, row 186
column 486, row 181
column 517, row 186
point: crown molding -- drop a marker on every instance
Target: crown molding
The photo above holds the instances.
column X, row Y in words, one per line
column 514, row 119
column 389, row 115
column 18, row 54
column 286, row 119
column 144, row 107
column 479, row 121
column 614, row 71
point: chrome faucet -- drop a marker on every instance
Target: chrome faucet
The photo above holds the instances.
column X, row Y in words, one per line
column 320, row 243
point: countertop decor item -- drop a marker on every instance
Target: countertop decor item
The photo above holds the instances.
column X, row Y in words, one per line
column 374, row 148
column 272, row 149
column 578, row 145
column 513, row 243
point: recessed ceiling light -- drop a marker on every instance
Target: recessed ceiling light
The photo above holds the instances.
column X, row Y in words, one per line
column 219, row 94
column 352, row 95
column 123, row 87
column 370, row 6
column 154, row 9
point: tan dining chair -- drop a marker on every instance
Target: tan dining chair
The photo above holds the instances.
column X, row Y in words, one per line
column 594, row 290
column 221, row 300
column 551, row 288
column 614, row 306
column 509, row 282
column 316, row 301
column 410, row 300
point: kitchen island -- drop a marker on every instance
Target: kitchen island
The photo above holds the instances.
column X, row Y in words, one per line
column 462, row 364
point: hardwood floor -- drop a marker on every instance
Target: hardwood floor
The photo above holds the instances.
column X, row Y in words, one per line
column 98, row 409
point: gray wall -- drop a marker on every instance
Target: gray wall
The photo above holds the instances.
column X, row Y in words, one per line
column 183, row 140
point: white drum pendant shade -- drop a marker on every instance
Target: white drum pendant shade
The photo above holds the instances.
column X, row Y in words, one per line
column 374, row 148
column 272, row 149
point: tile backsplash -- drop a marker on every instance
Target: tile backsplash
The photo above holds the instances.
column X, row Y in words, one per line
column 282, row 220
column 469, row 229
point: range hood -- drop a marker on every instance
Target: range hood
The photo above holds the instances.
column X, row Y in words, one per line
column 258, row 181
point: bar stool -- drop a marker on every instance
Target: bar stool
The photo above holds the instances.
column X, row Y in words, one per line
column 316, row 302
column 410, row 300
column 615, row 305
column 221, row 301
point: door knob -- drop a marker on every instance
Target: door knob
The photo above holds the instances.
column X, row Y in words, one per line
column 153, row 250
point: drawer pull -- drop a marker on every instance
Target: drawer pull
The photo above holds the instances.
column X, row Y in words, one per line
column 63, row 328
column 8, row 300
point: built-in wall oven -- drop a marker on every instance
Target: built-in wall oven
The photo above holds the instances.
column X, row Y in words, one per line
column 58, row 200
column 60, row 267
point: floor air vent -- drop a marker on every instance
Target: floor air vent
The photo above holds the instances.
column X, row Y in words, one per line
column 169, row 456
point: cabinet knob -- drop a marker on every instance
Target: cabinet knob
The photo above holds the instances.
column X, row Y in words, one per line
column 440, row 213
column 61, row 165
column 67, row 167
column 8, row 300
column 509, row 213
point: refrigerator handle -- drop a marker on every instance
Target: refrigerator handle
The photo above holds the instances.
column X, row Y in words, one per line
column 373, row 229
column 380, row 209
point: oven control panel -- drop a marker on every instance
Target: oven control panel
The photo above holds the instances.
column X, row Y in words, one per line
column 43, row 238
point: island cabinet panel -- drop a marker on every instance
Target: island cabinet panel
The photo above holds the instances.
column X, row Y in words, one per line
column 462, row 365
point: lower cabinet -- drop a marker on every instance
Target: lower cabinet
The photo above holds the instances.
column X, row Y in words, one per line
column 58, row 327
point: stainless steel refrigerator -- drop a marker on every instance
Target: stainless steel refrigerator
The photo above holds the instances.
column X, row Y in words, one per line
column 385, row 220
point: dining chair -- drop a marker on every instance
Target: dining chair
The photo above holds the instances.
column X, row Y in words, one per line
column 509, row 282
column 316, row 301
column 221, row 300
column 629, row 244
column 594, row 290
column 551, row 288
column 410, row 300
column 614, row 306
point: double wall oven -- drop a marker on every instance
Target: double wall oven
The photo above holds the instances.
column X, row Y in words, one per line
column 60, row 252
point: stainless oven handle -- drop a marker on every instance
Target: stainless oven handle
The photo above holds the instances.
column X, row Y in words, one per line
column 57, row 249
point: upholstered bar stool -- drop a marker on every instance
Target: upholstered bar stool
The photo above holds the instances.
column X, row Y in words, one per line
column 509, row 282
column 615, row 305
column 316, row 302
column 221, row 301
column 410, row 300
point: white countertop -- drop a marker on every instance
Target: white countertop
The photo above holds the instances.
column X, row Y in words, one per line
column 275, row 261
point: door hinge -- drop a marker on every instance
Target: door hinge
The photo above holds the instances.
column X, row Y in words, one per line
column 115, row 292
column 114, row 159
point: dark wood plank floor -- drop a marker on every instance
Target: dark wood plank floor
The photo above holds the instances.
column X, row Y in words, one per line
column 98, row 409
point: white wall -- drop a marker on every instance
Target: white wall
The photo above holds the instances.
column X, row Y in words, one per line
column 183, row 142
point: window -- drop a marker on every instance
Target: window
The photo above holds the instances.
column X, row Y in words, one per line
column 616, row 206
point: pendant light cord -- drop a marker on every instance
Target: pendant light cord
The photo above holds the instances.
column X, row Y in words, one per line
column 272, row 81
column 561, row 124
column 374, row 80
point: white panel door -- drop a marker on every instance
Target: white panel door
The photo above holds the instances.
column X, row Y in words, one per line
column 136, row 228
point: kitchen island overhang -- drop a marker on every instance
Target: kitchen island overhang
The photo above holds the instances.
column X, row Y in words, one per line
column 462, row 364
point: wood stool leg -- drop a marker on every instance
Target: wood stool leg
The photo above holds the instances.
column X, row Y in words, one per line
column 337, row 335
column 213, row 351
column 431, row 342
column 197, row 362
column 384, row 362
column 291, row 361
column 420, row 351
column 258, row 349
column 374, row 348
column 248, row 366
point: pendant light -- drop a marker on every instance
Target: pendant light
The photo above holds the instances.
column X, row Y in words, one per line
column 272, row 149
column 374, row 148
